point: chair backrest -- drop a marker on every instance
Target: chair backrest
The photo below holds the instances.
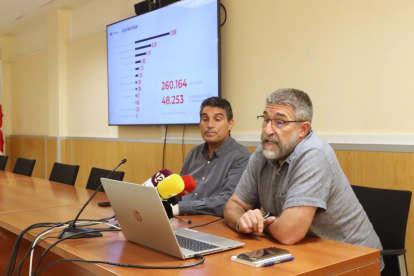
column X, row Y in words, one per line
column 388, row 213
column 3, row 162
column 64, row 173
column 94, row 180
column 24, row 166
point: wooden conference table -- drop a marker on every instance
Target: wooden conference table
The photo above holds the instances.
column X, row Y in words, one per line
column 25, row 201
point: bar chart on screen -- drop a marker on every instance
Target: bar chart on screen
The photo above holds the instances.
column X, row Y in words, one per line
column 161, row 65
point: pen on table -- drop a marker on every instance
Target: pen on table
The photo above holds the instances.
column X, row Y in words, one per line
column 277, row 262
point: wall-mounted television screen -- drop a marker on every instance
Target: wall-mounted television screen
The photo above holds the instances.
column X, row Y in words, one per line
column 163, row 64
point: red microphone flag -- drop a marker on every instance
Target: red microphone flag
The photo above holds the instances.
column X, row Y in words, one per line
column 189, row 185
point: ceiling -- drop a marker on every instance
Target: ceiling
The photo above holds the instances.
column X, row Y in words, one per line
column 15, row 13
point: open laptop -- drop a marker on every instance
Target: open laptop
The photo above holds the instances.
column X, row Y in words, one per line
column 143, row 220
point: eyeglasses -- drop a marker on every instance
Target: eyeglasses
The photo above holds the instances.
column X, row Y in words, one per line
column 276, row 123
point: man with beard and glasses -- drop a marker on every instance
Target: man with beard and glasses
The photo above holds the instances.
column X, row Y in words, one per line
column 296, row 177
column 216, row 165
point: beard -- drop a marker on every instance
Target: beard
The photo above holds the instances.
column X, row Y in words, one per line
column 283, row 148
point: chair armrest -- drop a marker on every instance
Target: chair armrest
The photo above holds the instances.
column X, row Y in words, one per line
column 395, row 252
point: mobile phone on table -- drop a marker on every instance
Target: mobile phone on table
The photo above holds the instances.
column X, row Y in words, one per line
column 264, row 253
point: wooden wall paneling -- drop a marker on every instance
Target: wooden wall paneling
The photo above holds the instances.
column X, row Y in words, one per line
column 63, row 150
column 252, row 149
column 403, row 165
column 107, row 155
column 66, row 151
column 84, row 155
column 389, row 170
column 51, row 149
column 187, row 149
column 174, row 155
column 88, row 154
column 30, row 148
column 14, row 150
column 79, row 152
column 7, row 152
column 144, row 159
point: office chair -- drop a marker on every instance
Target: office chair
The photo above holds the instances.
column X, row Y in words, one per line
column 64, row 173
column 24, row 166
column 388, row 213
column 94, row 180
column 3, row 162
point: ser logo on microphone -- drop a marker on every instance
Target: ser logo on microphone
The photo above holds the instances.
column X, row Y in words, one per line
column 138, row 216
column 158, row 177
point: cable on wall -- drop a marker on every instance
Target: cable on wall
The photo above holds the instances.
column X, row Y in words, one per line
column 182, row 144
column 165, row 142
column 225, row 11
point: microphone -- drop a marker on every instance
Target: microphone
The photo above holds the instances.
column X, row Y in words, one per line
column 170, row 186
column 189, row 186
column 72, row 229
column 157, row 178
column 107, row 203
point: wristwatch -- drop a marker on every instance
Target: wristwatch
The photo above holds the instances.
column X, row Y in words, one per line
column 237, row 225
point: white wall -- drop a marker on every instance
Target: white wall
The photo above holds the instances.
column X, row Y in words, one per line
column 30, row 95
column 87, row 98
column 32, row 40
column 93, row 16
column 353, row 57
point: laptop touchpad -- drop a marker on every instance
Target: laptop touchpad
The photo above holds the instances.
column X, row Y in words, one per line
column 212, row 239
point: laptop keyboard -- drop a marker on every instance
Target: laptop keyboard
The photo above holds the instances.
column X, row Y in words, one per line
column 194, row 245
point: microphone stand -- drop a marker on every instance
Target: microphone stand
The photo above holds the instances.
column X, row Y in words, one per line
column 72, row 229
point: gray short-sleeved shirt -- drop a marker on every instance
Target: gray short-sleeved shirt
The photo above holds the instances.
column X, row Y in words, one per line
column 310, row 176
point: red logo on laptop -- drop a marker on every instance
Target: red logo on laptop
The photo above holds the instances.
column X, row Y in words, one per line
column 138, row 216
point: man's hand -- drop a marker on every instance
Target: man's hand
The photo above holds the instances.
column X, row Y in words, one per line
column 288, row 228
column 253, row 222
